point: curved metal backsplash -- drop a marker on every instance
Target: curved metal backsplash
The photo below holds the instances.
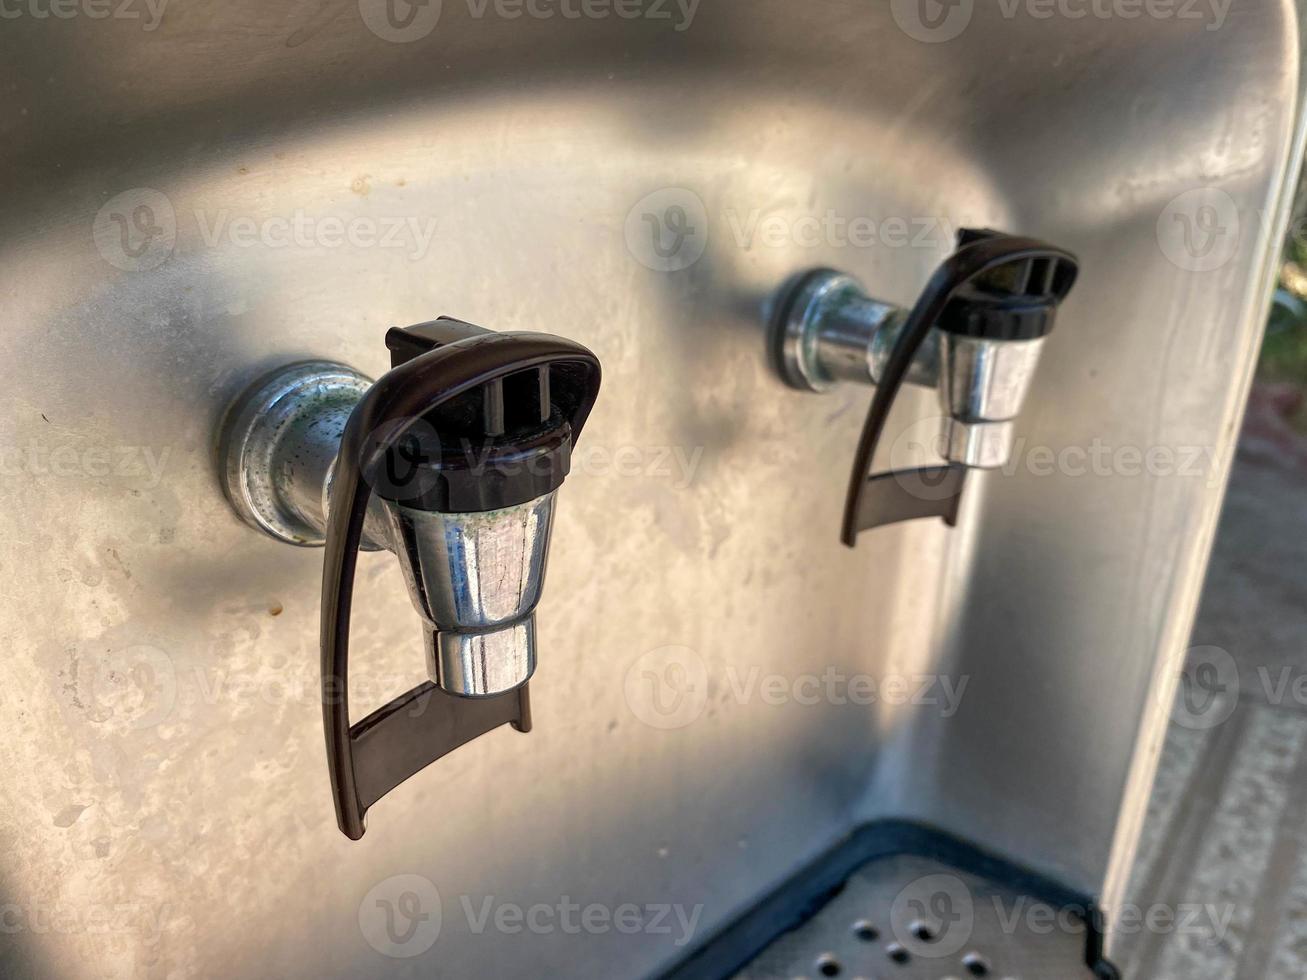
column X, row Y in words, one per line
column 160, row 700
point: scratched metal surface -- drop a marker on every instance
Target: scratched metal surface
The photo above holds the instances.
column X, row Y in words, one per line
column 163, row 805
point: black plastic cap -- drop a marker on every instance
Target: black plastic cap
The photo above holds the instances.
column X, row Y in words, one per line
column 1017, row 301
column 436, row 469
column 497, row 445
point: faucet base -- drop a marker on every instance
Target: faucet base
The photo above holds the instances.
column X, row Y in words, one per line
column 278, row 451
column 826, row 330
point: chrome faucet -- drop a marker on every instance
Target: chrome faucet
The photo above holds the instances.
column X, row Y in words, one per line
column 453, row 461
column 976, row 335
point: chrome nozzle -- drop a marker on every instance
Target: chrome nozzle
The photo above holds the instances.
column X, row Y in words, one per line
column 475, row 579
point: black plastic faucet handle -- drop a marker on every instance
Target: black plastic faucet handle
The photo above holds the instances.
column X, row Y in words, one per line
column 994, row 287
column 436, row 366
column 1014, row 300
column 496, row 445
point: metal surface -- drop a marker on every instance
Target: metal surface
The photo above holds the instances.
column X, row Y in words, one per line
column 832, row 331
column 476, row 578
column 160, row 705
column 910, row 918
column 278, row 449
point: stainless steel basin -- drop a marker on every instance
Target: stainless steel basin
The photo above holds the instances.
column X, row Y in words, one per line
column 246, row 183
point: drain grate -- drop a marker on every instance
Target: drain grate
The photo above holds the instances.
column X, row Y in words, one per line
column 911, row 918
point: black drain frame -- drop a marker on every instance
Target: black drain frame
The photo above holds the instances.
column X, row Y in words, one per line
column 807, row 892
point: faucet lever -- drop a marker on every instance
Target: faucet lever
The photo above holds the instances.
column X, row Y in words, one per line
column 470, row 522
column 994, row 301
column 452, row 460
column 976, row 333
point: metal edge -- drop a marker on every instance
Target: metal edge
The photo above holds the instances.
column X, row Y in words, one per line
column 1166, row 676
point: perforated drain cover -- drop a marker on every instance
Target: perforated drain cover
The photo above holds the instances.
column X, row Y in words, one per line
column 910, row 918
